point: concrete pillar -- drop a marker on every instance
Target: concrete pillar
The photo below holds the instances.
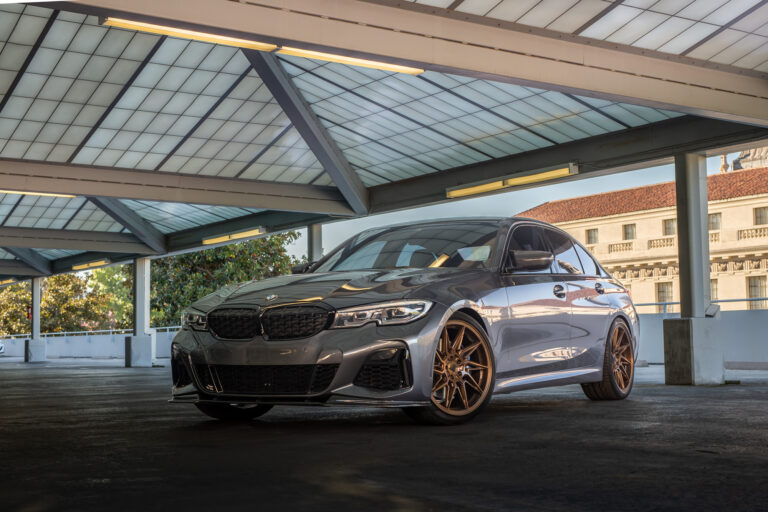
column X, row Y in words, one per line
column 35, row 347
column 315, row 242
column 693, row 353
column 140, row 348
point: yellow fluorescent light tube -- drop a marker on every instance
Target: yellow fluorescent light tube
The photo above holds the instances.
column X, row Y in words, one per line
column 92, row 264
column 189, row 34
column 352, row 61
column 7, row 281
column 514, row 181
column 540, row 176
column 235, row 236
column 475, row 189
column 41, row 194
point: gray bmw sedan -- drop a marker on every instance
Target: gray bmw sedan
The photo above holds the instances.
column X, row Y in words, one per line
column 432, row 317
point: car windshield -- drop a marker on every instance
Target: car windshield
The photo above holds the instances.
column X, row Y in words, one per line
column 457, row 245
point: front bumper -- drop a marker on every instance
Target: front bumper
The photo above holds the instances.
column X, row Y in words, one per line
column 204, row 367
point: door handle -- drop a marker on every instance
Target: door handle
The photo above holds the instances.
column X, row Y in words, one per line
column 559, row 291
column 599, row 288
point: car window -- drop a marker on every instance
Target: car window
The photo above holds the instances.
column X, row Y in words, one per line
column 590, row 267
column 527, row 238
column 566, row 259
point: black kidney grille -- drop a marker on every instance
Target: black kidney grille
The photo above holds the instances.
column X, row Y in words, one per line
column 282, row 323
column 234, row 324
column 300, row 379
column 384, row 376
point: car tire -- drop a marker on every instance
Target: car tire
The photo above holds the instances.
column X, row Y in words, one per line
column 233, row 412
column 479, row 366
column 618, row 366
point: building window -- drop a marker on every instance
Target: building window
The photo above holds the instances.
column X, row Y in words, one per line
column 713, row 289
column 670, row 227
column 629, row 231
column 757, row 288
column 761, row 216
column 663, row 294
column 591, row 236
column 714, row 221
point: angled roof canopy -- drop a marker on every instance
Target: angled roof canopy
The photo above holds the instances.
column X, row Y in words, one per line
column 117, row 142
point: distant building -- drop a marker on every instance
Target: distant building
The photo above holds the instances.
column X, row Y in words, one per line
column 633, row 233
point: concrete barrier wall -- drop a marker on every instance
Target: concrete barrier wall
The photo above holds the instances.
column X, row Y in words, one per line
column 99, row 346
column 744, row 335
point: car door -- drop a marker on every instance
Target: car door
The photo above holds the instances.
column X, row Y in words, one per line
column 537, row 327
column 589, row 310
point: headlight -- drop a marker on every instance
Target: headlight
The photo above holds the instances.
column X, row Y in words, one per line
column 193, row 320
column 387, row 313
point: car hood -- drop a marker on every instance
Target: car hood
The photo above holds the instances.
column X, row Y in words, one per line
column 336, row 289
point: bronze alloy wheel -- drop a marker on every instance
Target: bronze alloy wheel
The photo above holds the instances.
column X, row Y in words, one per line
column 463, row 369
column 622, row 359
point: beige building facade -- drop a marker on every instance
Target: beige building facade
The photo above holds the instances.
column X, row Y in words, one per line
column 633, row 233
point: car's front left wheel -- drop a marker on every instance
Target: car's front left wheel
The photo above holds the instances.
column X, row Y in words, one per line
column 233, row 411
column 463, row 374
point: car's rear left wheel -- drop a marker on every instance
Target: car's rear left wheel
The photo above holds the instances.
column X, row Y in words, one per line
column 233, row 411
column 463, row 374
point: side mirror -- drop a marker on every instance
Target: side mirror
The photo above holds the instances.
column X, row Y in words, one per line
column 530, row 260
column 303, row 268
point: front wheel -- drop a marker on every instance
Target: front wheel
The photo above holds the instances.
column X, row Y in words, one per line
column 233, row 412
column 463, row 374
column 618, row 366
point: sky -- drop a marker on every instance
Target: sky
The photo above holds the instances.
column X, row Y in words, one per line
column 505, row 204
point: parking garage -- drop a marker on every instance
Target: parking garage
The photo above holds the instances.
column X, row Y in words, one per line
column 134, row 130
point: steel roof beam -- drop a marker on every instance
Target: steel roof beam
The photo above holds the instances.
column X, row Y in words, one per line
column 310, row 128
column 31, row 259
column 35, row 238
column 139, row 227
column 16, row 268
column 641, row 147
column 483, row 48
column 63, row 178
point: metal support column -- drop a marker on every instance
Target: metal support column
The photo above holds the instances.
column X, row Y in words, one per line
column 692, row 348
column 35, row 347
column 314, row 242
column 140, row 348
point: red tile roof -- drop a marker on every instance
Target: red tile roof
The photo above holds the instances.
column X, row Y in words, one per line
column 728, row 185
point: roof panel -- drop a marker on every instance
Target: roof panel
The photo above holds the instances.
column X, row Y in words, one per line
column 169, row 217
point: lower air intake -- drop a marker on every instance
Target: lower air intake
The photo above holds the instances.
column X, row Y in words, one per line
column 301, row 379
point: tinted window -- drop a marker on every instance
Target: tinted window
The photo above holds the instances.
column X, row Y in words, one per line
column 590, row 267
column 468, row 245
column 566, row 259
column 527, row 238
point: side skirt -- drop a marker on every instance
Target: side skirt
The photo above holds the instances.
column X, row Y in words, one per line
column 541, row 380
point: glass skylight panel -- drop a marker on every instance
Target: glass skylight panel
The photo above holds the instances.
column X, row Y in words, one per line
column 179, row 85
column 55, row 254
column 38, row 212
column 575, row 17
column 74, row 76
column 6, row 255
column 20, row 26
column 91, row 218
column 170, row 217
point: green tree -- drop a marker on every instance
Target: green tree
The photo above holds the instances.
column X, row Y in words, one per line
column 178, row 281
column 67, row 303
column 116, row 283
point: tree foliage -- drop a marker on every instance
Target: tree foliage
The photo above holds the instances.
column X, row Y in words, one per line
column 67, row 304
column 103, row 298
column 180, row 280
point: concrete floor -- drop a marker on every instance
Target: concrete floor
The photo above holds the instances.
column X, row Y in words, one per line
column 84, row 435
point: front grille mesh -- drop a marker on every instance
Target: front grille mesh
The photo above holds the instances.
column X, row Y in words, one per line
column 267, row 379
column 286, row 322
column 384, row 376
column 234, row 324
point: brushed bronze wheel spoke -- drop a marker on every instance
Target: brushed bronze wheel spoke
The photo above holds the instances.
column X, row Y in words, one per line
column 622, row 356
column 454, row 371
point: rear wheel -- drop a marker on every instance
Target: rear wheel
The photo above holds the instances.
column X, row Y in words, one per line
column 618, row 366
column 233, row 411
column 463, row 374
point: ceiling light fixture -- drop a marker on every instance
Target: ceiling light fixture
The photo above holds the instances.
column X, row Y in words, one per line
column 234, row 236
column 40, row 194
column 93, row 264
column 188, row 34
column 7, row 281
column 513, row 181
column 256, row 45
